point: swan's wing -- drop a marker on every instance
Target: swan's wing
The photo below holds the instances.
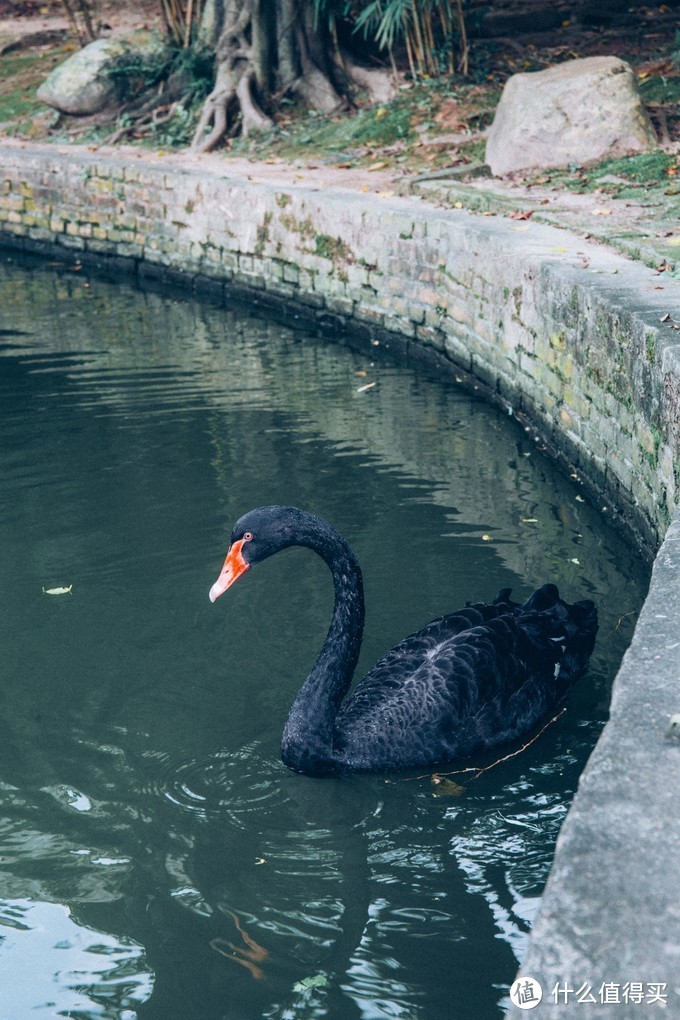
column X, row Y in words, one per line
column 467, row 682
column 443, row 695
column 427, row 642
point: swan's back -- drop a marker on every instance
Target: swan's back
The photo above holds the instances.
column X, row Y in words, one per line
column 466, row 682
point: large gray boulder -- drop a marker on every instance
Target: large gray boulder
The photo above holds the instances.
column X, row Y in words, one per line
column 577, row 112
column 87, row 82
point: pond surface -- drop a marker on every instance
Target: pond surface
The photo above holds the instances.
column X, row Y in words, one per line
column 156, row 858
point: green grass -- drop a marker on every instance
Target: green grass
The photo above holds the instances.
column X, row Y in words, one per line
column 20, row 76
column 308, row 135
column 626, row 177
column 387, row 130
column 645, row 168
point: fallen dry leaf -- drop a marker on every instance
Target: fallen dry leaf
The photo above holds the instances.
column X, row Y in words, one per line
column 447, row 787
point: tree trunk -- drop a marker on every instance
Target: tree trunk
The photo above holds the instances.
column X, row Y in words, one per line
column 258, row 44
column 303, row 62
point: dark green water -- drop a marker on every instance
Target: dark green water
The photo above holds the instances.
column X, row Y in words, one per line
column 146, row 819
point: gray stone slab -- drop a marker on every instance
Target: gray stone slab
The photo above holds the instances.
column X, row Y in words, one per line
column 609, row 922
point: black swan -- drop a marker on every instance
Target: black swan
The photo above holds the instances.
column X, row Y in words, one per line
column 466, row 682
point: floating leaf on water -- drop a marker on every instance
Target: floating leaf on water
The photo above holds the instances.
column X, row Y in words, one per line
column 446, row 787
column 58, row 591
column 316, row 981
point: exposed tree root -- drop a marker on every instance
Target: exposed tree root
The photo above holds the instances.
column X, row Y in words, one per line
column 263, row 49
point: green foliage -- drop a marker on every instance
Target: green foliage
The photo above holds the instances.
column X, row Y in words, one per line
column 430, row 30
column 177, row 132
column 333, row 248
column 662, row 88
column 192, row 65
column 133, row 76
column 189, row 71
column 197, row 65
column 386, row 22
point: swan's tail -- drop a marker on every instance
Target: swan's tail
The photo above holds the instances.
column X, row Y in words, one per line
column 569, row 630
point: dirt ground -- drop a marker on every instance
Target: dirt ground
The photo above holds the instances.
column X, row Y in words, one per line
column 27, row 18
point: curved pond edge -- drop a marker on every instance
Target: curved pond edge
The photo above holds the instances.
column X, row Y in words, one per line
column 575, row 340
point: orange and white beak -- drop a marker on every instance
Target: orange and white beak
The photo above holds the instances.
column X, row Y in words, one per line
column 234, row 566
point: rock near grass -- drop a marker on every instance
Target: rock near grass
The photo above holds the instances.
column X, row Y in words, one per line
column 577, row 112
column 96, row 78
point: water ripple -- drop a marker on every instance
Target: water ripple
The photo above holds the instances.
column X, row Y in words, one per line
column 234, row 784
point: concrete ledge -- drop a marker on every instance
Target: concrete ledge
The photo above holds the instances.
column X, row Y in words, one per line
column 610, row 913
column 570, row 335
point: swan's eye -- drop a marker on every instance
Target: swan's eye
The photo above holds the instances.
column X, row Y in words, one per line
column 247, row 536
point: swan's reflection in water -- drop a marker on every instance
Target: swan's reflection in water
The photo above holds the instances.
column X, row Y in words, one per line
column 362, row 895
column 312, row 896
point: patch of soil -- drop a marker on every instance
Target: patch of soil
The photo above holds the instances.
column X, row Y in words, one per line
column 28, row 17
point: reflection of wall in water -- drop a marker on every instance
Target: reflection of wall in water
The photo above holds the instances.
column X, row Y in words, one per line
column 229, row 357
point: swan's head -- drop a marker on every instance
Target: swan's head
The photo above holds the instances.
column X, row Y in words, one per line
column 258, row 534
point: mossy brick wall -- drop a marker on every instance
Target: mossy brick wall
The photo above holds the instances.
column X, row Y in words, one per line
column 567, row 332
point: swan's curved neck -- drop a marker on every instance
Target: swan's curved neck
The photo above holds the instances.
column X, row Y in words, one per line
column 307, row 742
